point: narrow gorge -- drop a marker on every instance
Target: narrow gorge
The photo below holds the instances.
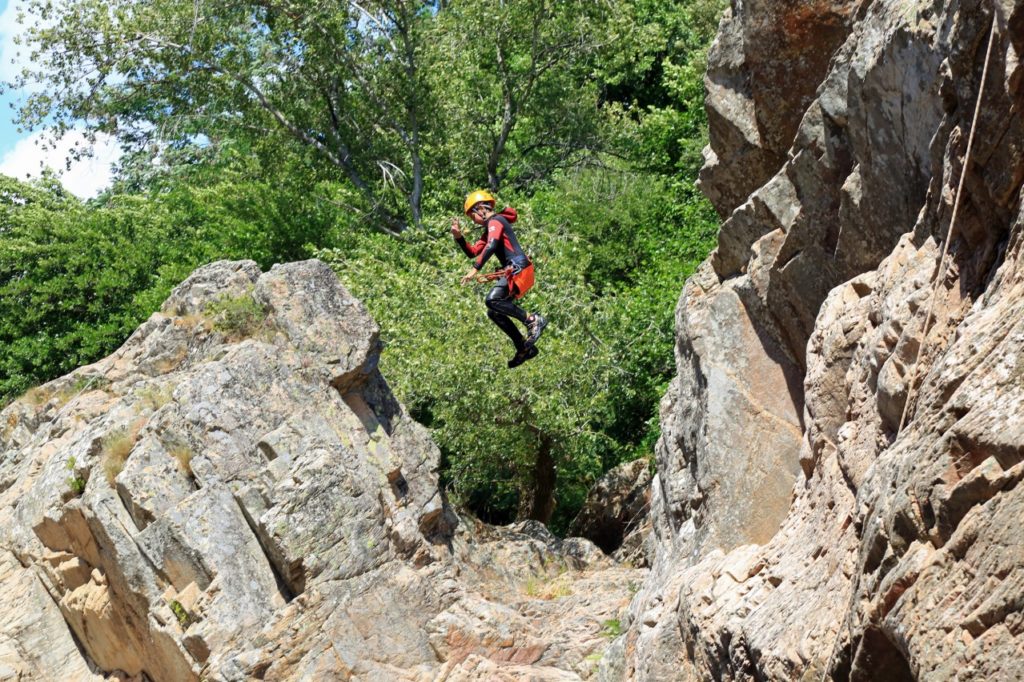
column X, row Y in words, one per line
column 236, row 493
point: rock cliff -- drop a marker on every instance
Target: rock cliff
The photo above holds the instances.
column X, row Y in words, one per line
column 236, row 494
column 799, row 532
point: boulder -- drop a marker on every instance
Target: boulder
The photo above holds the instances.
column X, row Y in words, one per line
column 615, row 507
column 236, row 494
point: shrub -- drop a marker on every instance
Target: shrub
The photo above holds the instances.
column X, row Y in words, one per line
column 611, row 628
column 69, row 277
column 182, row 454
column 154, row 396
column 115, row 448
column 184, row 619
column 76, row 483
column 238, row 317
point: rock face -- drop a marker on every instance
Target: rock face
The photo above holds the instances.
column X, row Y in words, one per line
column 236, row 494
column 614, row 515
column 799, row 533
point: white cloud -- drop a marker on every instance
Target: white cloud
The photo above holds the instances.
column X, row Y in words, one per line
column 86, row 177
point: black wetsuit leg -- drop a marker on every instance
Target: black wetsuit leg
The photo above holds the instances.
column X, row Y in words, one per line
column 501, row 309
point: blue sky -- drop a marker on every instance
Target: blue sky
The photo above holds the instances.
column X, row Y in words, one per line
column 21, row 155
column 8, row 131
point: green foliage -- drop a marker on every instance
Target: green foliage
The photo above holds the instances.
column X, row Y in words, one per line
column 76, row 483
column 446, row 362
column 645, row 234
column 339, row 80
column 77, row 278
column 70, row 275
column 241, row 198
column 654, row 74
column 611, row 628
column 404, row 103
column 179, row 611
column 237, row 316
column 278, row 130
column 609, row 265
column 513, row 84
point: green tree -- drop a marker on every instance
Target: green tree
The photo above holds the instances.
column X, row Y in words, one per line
column 514, row 88
column 242, row 199
column 516, row 444
column 70, row 278
column 76, row 278
column 339, row 78
column 643, row 234
column 653, row 77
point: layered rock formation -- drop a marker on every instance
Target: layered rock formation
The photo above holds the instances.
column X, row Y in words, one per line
column 615, row 514
column 235, row 494
column 800, row 533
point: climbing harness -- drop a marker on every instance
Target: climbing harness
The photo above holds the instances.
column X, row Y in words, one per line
column 520, row 281
column 491, row 276
column 949, row 233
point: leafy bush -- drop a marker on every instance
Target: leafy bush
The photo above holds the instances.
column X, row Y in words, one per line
column 611, row 628
column 179, row 611
column 238, row 317
column 75, row 482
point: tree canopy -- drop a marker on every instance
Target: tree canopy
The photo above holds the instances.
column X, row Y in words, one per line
column 278, row 130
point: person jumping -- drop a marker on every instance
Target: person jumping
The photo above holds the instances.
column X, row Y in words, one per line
column 498, row 238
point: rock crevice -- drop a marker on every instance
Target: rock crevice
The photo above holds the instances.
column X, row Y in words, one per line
column 231, row 497
column 883, row 553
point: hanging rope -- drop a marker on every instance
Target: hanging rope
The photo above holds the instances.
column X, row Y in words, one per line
column 949, row 233
column 854, row 586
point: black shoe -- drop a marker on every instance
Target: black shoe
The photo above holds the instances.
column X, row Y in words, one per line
column 536, row 328
column 522, row 356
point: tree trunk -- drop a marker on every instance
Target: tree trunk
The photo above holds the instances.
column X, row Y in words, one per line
column 508, row 122
column 416, row 195
column 543, row 505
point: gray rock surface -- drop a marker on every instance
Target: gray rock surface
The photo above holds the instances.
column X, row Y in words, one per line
column 799, row 533
column 236, row 494
column 614, row 515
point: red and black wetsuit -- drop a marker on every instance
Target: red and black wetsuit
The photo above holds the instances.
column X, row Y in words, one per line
column 499, row 239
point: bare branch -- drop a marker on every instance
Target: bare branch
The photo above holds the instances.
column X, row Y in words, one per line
column 374, row 20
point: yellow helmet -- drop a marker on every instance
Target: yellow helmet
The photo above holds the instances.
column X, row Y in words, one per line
column 474, row 198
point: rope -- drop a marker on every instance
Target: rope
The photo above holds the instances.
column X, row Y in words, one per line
column 931, row 305
column 949, row 233
column 497, row 274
